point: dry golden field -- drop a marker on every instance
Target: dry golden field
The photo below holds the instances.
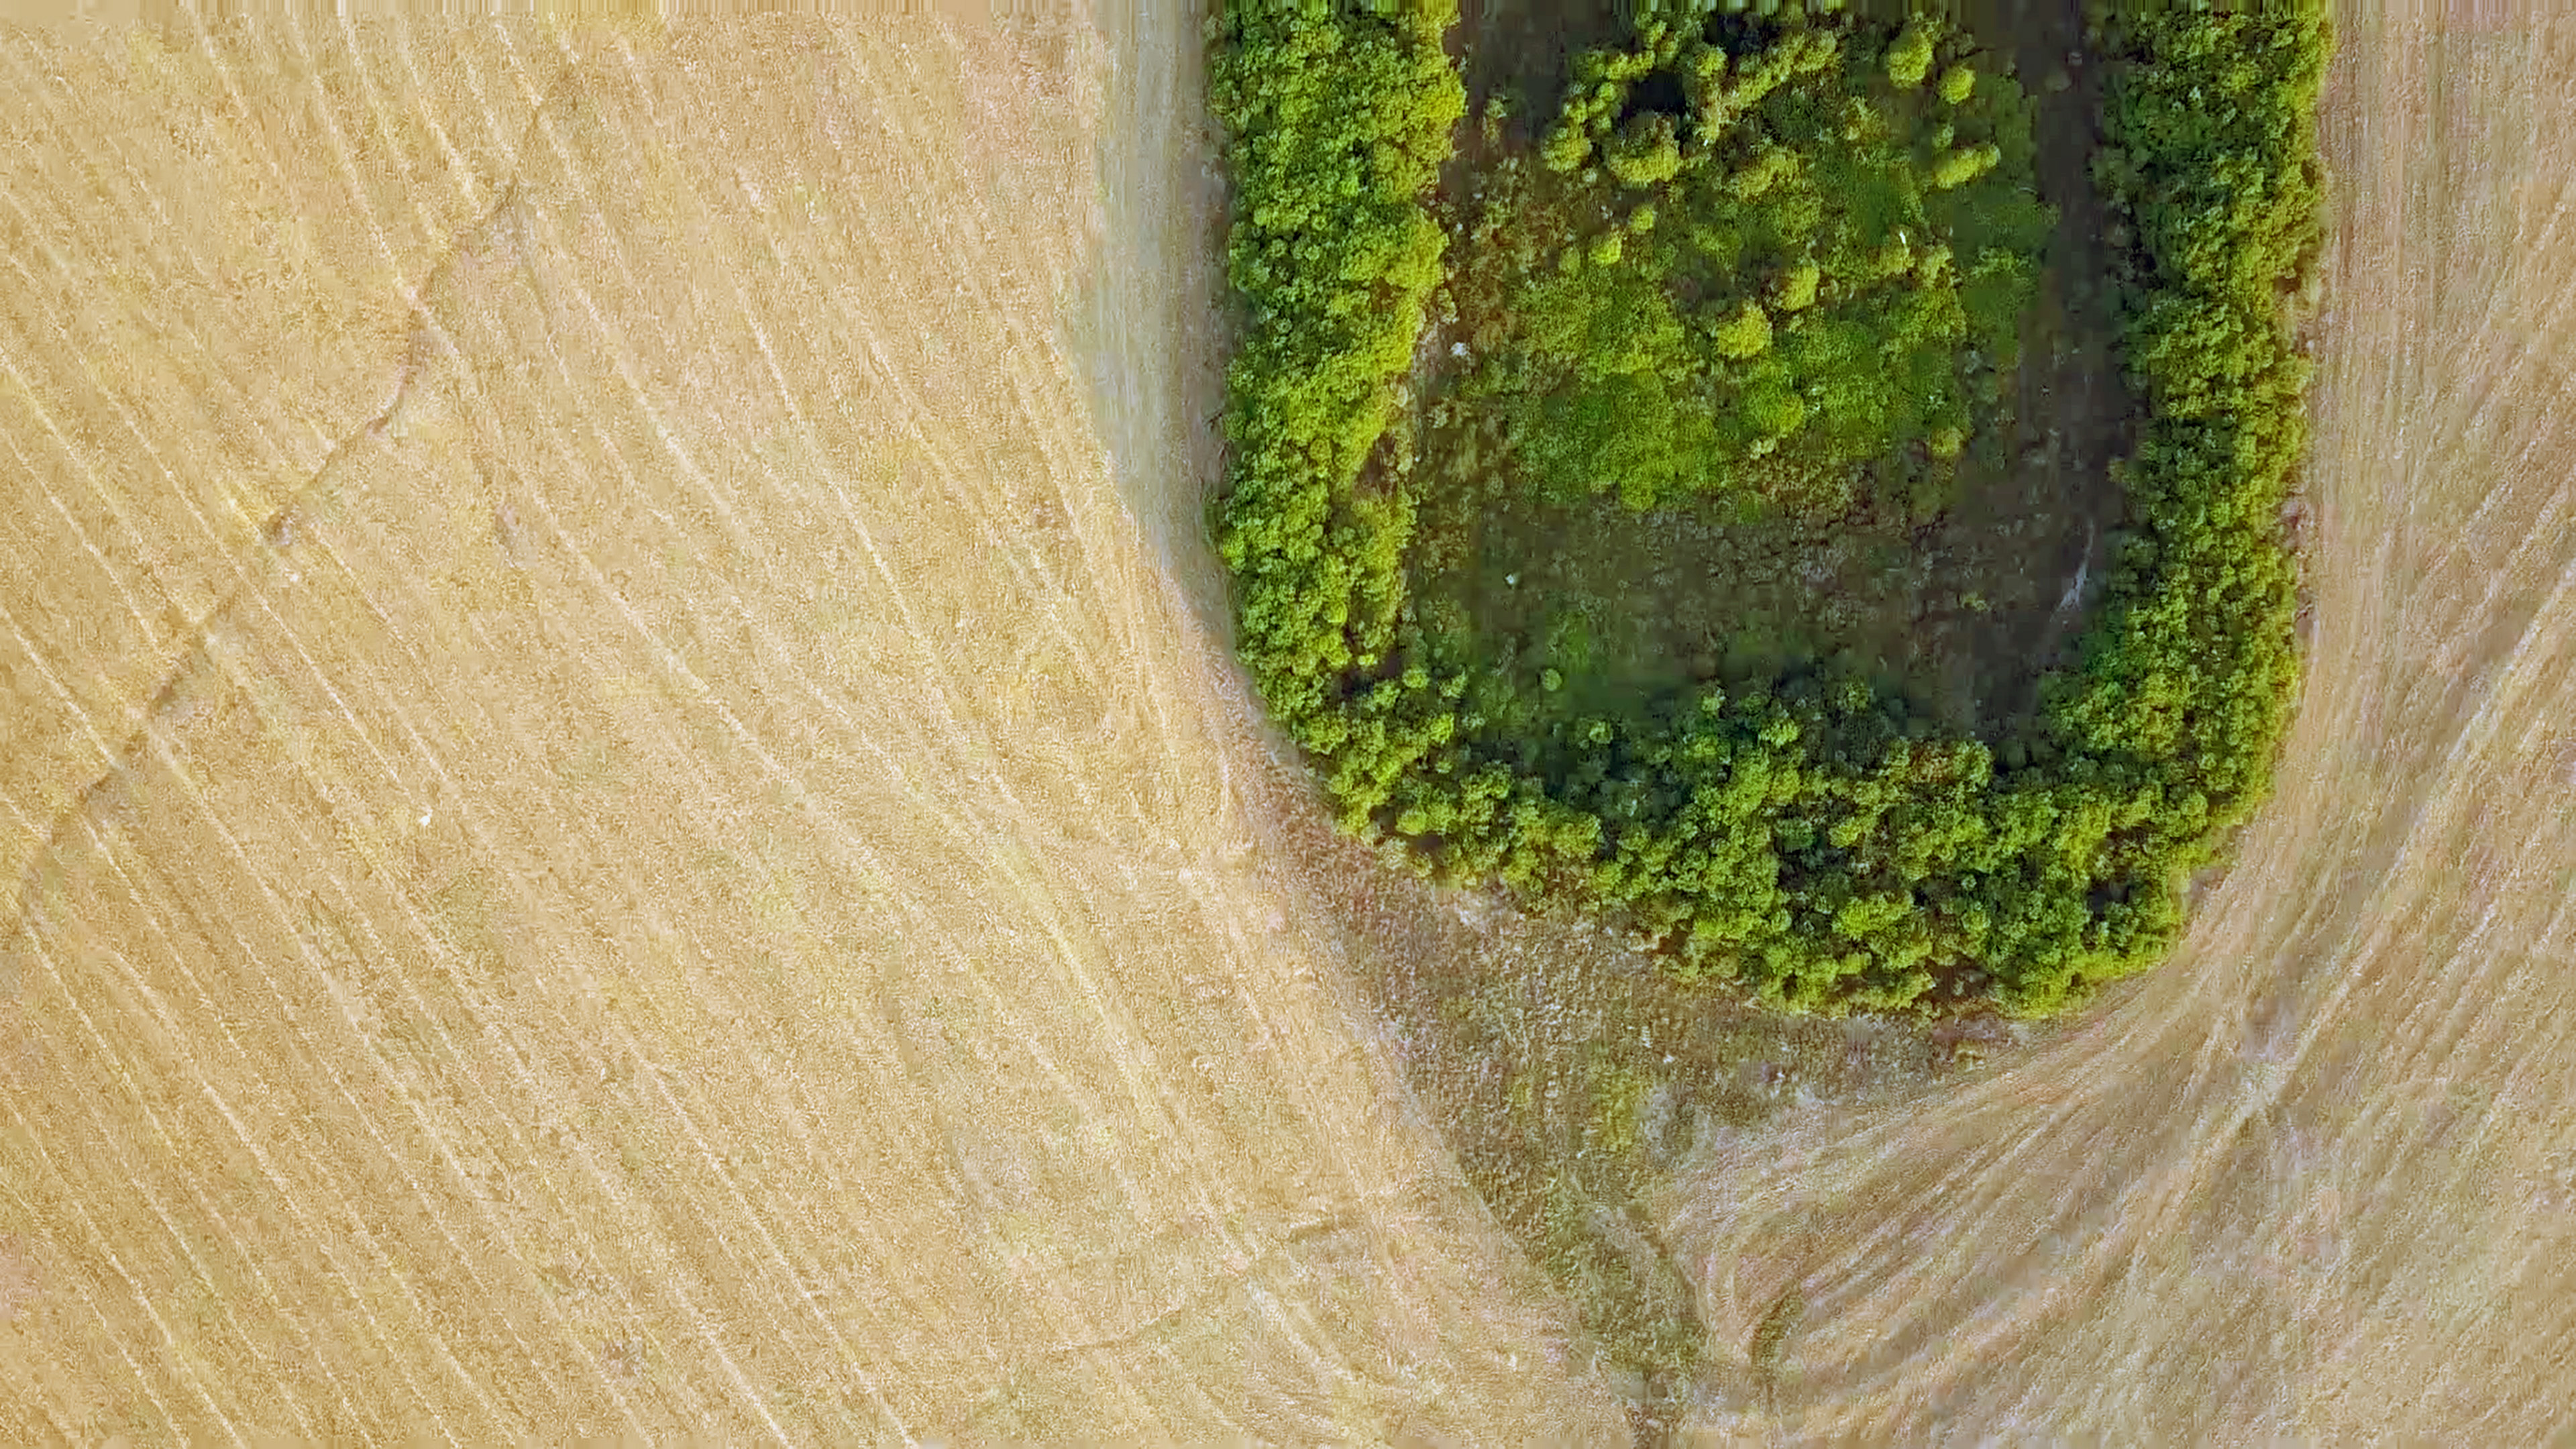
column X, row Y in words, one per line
column 631, row 822
column 620, row 831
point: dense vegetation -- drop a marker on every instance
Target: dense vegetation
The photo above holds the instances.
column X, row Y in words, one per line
column 1339, row 119
column 1808, row 836
column 1807, row 271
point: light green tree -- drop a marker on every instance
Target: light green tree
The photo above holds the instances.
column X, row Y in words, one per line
column 1909, row 59
column 1795, row 291
column 1647, row 151
column 1746, row 332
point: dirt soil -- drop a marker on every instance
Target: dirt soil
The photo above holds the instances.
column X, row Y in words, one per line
column 618, row 827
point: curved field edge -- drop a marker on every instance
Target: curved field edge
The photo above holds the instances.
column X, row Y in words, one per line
column 1801, row 844
column 704, row 888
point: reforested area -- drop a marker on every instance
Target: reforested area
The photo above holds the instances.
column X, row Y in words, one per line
column 1764, row 264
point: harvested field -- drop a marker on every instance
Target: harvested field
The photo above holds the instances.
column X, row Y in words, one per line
column 620, row 833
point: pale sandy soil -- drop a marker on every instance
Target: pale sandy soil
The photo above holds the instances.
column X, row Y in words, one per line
column 619, row 829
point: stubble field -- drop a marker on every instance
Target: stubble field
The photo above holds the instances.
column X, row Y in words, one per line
column 620, row 832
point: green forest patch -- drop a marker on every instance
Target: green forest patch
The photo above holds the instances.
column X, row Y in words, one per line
column 1737, row 448
column 1656, row 537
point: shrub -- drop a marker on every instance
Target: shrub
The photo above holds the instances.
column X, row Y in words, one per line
column 1958, row 168
column 1795, row 291
column 1909, row 59
column 1746, row 332
column 1647, row 151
